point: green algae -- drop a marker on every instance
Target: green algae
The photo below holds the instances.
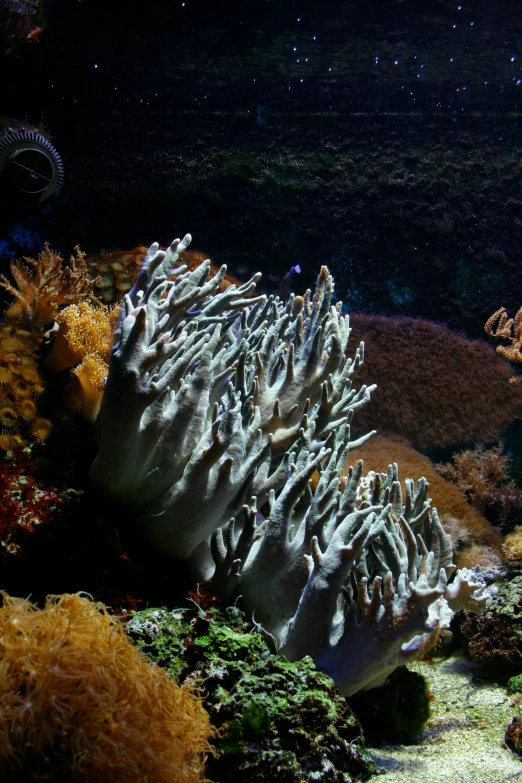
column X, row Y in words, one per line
column 276, row 718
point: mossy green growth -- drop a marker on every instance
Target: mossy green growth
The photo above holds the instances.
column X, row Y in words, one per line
column 183, row 640
column 161, row 634
column 224, row 643
column 515, row 684
column 288, row 716
column 277, row 720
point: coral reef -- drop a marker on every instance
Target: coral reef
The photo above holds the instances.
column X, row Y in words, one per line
column 276, row 719
column 214, row 398
column 456, row 389
column 79, row 702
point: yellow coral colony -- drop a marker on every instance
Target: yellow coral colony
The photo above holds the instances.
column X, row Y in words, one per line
column 42, row 287
column 84, row 342
column 79, row 701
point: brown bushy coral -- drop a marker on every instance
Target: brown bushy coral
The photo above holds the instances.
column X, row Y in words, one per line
column 42, row 287
column 483, row 475
column 434, row 387
column 79, row 703
column 474, row 539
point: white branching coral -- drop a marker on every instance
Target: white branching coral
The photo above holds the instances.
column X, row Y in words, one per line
column 218, row 409
column 207, row 390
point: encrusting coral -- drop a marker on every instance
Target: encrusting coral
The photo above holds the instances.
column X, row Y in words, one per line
column 218, row 409
column 116, row 272
column 451, row 390
column 78, row 702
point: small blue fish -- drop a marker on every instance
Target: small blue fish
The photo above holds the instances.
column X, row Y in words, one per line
column 286, row 283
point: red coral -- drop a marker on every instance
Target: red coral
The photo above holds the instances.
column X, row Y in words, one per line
column 25, row 501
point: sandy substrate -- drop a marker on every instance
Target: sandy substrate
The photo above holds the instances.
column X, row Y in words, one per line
column 463, row 740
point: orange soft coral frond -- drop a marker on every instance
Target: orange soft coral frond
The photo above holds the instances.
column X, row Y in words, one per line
column 80, row 702
column 503, row 328
column 40, row 291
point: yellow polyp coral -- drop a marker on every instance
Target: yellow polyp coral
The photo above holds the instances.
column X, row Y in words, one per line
column 84, row 329
column 84, row 341
column 8, row 418
column 41, row 428
column 42, row 286
column 91, row 374
column 79, row 702
column 27, row 409
column 115, row 272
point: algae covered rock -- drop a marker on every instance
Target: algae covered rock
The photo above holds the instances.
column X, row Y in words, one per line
column 276, row 719
column 495, row 636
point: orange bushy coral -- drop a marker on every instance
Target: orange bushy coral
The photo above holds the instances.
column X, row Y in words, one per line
column 504, row 328
column 78, row 702
column 467, row 528
column 42, row 289
column 434, row 387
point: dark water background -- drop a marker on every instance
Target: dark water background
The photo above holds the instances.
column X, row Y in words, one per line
column 381, row 138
